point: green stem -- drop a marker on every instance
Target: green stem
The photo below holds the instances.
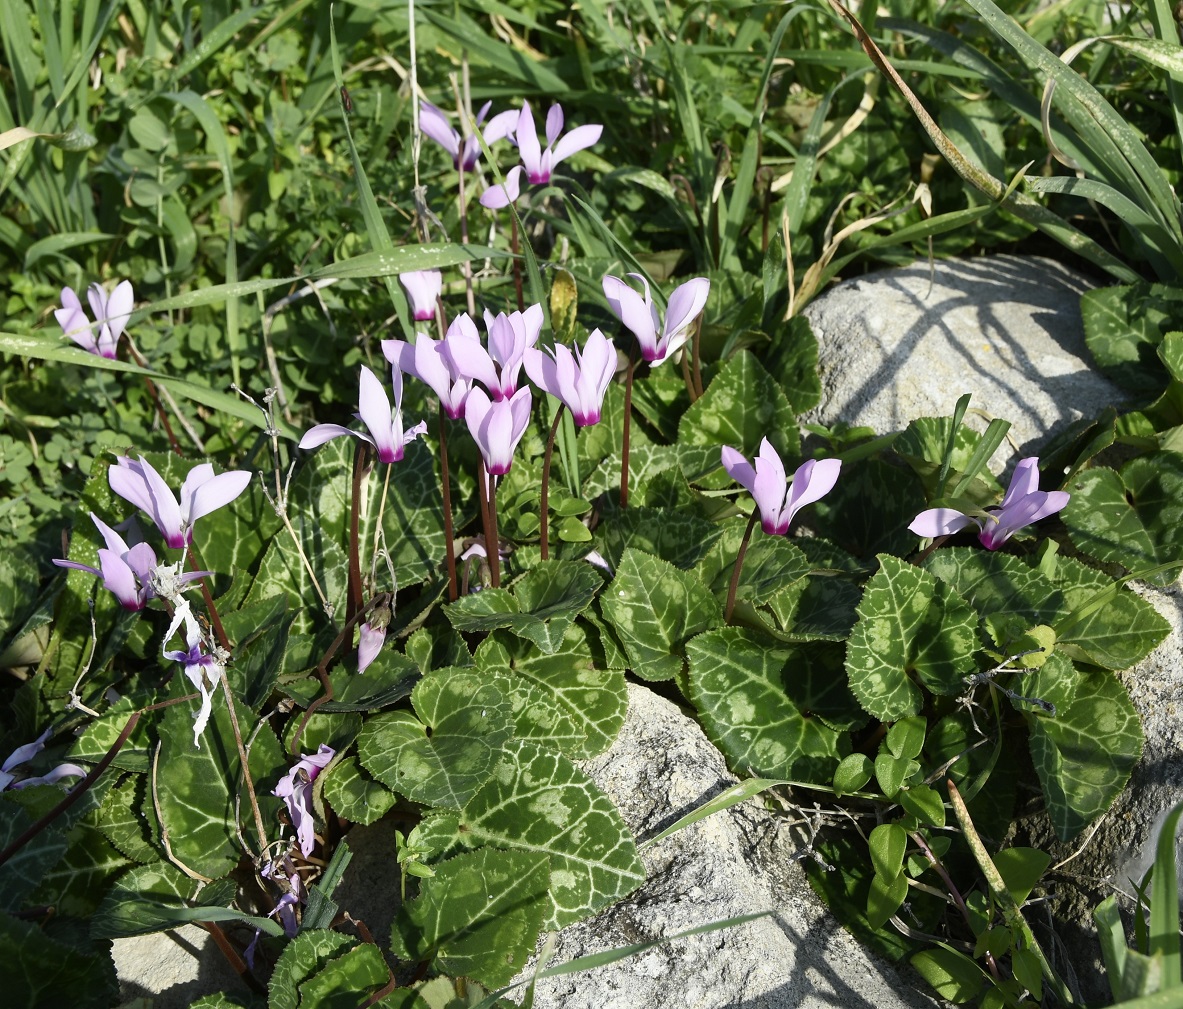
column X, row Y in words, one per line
column 544, row 504
column 628, row 414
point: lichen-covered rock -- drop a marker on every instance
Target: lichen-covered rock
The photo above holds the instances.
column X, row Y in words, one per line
column 906, row 343
column 740, row 861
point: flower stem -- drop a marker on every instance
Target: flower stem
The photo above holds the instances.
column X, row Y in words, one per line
column 628, row 416
column 244, row 763
column 697, row 345
column 690, row 390
column 493, row 547
column 207, row 597
column 544, row 504
column 467, row 263
column 449, row 545
column 743, row 549
column 355, row 598
column 517, row 263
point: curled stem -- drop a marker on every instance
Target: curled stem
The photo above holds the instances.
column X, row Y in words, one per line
column 743, row 549
column 544, row 503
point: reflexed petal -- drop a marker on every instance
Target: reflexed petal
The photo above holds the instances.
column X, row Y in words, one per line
column 812, row 481
column 219, row 491
column 114, row 541
column 939, row 522
column 98, row 302
column 685, row 305
column 120, row 580
column 527, row 137
column 540, row 368
column 502, row 125
column 496, row 197
column 74, row 565
column 434, row 123
column 402, row 354
column 199, row 474
column 530, row 323
column 129, row 484
column 119, row 308
column 417, row 431
column 1024, row 480
column 373, row 406
column 638, row 314
column 554, row 123
column 579, row 138
column 769, row 489
column 142, row 560
column 59, row 772
column 318, row 435
column 23, row 754
column 739, row 469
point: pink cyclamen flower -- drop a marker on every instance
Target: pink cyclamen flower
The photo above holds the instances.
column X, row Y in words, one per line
column 580, row 379
column 639, row 314
column 765, row 481
column 499, row 367
column 23, row 754
column 422, row 287
column 111, row 313
column 295, row 788
column 202, row 668
column 201, row 493
column 465, row 155
column 385, row 426
column 539, row 163
column 497, row 426
column 1023, row 504
column 432, row 362
column 125, row 571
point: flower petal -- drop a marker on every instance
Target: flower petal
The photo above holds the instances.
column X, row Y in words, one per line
column 219, row 491
column 577, row 140
column 373, row 406
column 434, row 123
column 1024, row 480
column 318, row 435
column 528, row 146
column 939, row 522
column 554, row 123
column 638, row 314
column 812, row 481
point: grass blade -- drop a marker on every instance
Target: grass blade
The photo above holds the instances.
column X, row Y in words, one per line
column 218, row 36
column 1164, row 902
column 203, row 112
column 375, row 226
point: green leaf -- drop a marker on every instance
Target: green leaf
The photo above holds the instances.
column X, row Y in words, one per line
column 1085, row 754
column 259, row 634
column 737, row 685
column 344, row 982
column 953, row 975
column 1164, row 908
column 771, row 565
column 196, row 787
column 479, row 916
column 128, row 820
column 869, row 509
column 354, row 795
column 1021, row 869
column 791, row 359
column 538, row 801
column 1014, row 597
column 891, row 772
column 1124, row 324
column 77, row 882
column 679, row 536
column 852, row 774
column 321, row 908
column 154, row 898
column 885, row 898
column 540, row 608
column 468, row 719
column 234, row 537
column 906, row 738
column 282, row 573
column 923, row 446
column 887, row 844
column 910, row 625
column 655, row 609
column 924, row 803
column 41, row 971
column 561, row 700
column 742, row 405
column 23, row 871
column 302, row 958
column 1135, row 519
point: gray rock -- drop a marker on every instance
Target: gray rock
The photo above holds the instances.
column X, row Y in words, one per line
column 894, row 347
column 740, row 861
